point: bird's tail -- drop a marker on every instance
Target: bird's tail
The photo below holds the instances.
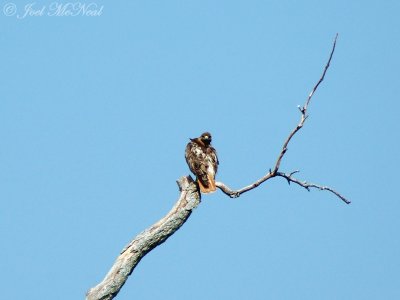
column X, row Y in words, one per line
column 210, row 188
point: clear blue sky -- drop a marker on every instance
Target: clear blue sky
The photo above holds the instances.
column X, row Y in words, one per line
column 95, row 113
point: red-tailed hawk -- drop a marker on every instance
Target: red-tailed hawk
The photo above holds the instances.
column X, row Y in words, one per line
column 202, row 160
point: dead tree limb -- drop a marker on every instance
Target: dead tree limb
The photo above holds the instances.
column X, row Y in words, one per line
column 188, row 200
column 275, row 171
column 146, row 241
column 308, row 185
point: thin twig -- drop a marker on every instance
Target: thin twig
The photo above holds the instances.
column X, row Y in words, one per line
column 303, row 110
column 274, row 172
column 308, row 185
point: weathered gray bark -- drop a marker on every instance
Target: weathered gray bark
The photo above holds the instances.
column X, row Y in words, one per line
column 146, row 241
column 188, row 200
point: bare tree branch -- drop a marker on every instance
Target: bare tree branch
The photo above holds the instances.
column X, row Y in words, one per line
column 189, row 199
column 308, row 185
column 274, row 172
column 146, row 241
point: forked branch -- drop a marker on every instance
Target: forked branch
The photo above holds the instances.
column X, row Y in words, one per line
column 189, row 199
column 275, row 171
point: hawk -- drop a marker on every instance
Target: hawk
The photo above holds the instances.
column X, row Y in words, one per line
column 202, row 160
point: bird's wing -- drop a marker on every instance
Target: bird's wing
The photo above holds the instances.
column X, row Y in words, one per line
column 203, row 162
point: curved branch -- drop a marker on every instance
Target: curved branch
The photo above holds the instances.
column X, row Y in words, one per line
column 308, row 185
column 274, row 172
column 189, row 199
column 146, row 241
column 303, row 109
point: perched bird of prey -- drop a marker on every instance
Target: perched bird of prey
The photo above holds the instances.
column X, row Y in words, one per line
column 202, row 160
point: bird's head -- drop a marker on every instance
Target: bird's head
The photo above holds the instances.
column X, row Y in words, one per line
column 206, row 138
